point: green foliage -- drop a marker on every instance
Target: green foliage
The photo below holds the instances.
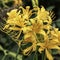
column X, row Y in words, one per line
column 58, row 23
column 8, row 48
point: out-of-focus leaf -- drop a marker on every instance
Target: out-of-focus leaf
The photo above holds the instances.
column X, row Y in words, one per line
column 9, row 47
column 58, row 23
column 8, row 57
column 7, row 42
column 1, row 54
column 6, row 1
column 54, row 52
column 50, row 8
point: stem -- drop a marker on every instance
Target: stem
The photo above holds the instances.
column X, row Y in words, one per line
column 36, row 54
column 35, row 3
column 18, row 50
column 4, row 4
column 19, row 57
column 43, row 56
column 17, row 54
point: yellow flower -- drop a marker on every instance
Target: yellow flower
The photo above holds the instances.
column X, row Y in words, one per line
column 26, row 13
column 21, row 21
column 14, row 21
column 36, row 27
column 48, row 45
column 47, row 27
column 56, row 34
column 17, row 21
column 13, row 13
column 29, row 37
column 43, row 15
column 26, row 29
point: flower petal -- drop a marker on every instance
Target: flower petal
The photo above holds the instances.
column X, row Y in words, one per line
column 55, row 47
column 27, row 50
column 49, row 56
column 40, row 50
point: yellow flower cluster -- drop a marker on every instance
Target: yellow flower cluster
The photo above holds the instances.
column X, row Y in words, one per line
column 36, row 27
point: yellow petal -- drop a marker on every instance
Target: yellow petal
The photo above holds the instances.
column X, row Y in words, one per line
column 15, row 28
column 42, row 9
column 54, row 41
column 27, row 50
column 40, row 50
column 49, row 56
column 6, row 26
column 55, row 47
column 12, row 12
column 40, row 44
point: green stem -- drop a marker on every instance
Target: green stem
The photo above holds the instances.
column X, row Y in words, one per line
column 4, row 4
column 36, row 55
column 19, row 57
column 43, row 56
column 18, row 51
column 35, row 3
